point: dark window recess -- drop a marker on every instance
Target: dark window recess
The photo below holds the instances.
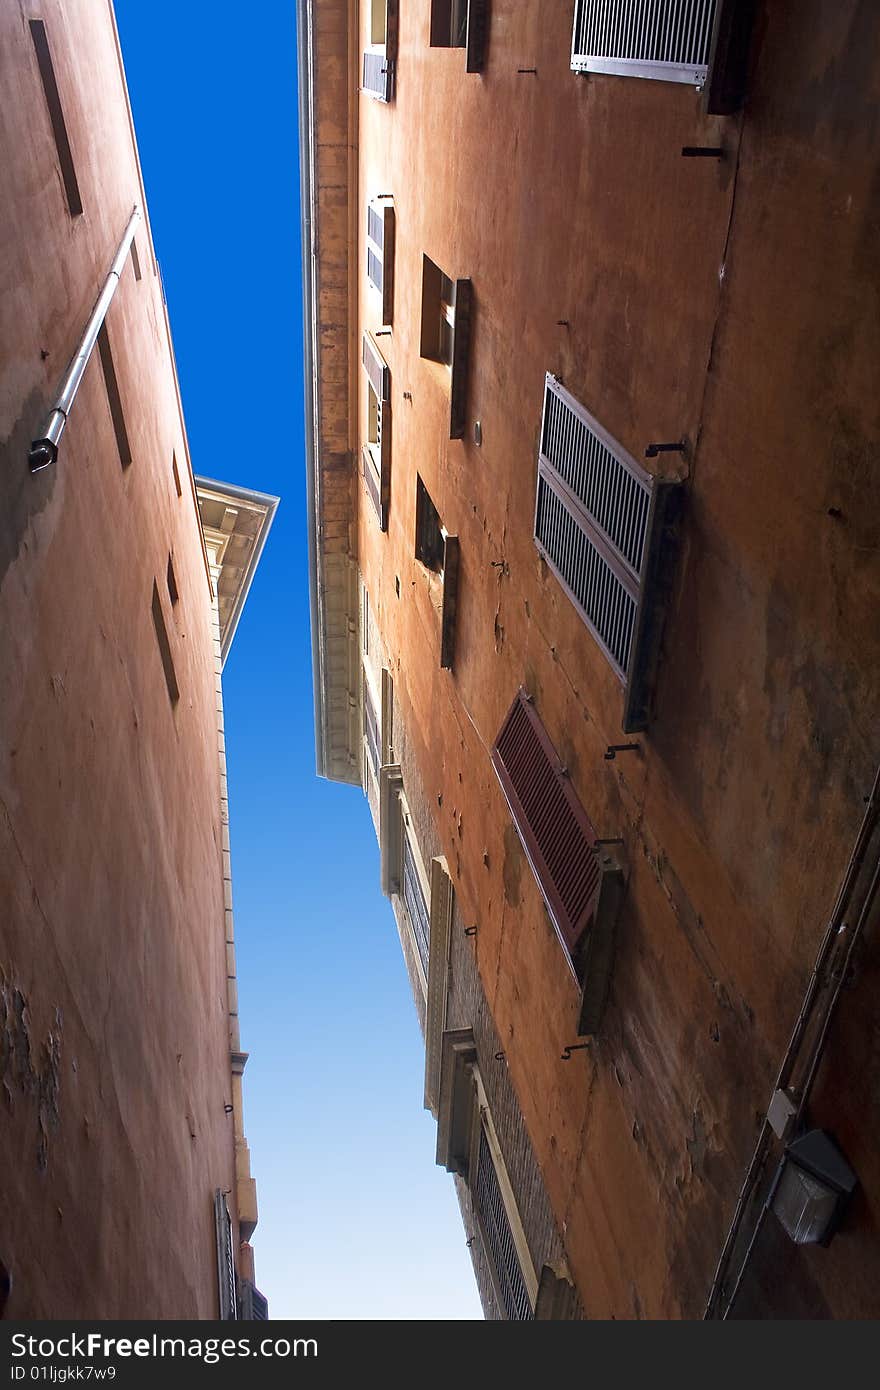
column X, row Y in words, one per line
column 225, row 1258
column 498, row 1237
column 449, row 23
column 56, row 116
column 164, row 647
column 416, row 906
column 371, row 731
column 172, row 582
column 429, row 531
column 606, row 528
column 113, row 397
column 176, row 472
column 135, row 260
column 461, row 24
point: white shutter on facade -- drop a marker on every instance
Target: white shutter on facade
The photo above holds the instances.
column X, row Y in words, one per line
column 666, row 39
column 602, row 523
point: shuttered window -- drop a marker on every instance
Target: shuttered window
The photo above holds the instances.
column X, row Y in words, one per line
column 556, row 833
column 665, row 39
column 416, row 906
column 225, row 1258
column 371, row 730
column 380, row 255
column 380, row 59
column 604, row 524
column 498, row 1236
column 254, row 1305
column 376, row 452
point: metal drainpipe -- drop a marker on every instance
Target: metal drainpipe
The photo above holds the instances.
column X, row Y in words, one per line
column 44, row 449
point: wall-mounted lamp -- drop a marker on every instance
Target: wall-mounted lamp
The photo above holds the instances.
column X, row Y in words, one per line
column 812, row 1187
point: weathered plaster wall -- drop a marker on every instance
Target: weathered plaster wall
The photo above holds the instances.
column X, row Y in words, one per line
column 733, row 302
column 113, row 1016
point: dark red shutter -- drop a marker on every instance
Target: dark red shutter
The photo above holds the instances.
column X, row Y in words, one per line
column 553, row 825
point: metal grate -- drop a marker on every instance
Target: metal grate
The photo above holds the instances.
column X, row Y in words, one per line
column 665, row 39
column 416, row 906
column 554, row 828
column 371, row 730
column 378, row 75
column 498, row 1236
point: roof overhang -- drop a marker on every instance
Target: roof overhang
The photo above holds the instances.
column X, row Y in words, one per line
column 235, row 524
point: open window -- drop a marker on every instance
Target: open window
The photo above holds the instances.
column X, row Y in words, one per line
column 380, row 254
column 445, row 335
column 461, row 24
column 376, row 452
column 438, row 551
column 380, row 55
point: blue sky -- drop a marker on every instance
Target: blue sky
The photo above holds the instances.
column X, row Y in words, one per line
column 356, row 1221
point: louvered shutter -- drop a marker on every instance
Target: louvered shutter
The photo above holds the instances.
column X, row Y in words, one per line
column 554, row 828
column 380, row 255
column 225, row 1258
column 605, row 525
column 498, row 1236
column 665, row 39
column 378, row 481
column 378, row 75
column 254, row 1305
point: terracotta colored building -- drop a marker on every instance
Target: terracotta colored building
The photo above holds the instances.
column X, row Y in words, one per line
column 125, row 1171
column 592, row 351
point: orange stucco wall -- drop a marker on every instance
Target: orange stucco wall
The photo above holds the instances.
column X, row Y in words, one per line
column 733, row 303
column 113, row 1014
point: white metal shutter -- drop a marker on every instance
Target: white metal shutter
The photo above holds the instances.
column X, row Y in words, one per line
column 665, row 39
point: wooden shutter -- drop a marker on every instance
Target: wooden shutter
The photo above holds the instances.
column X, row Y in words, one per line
column 225, row 1258
column 477, row 34
column 254, row 1305
column 449, row 608
column 380, row 255
column 376, row 369
column 556, row 833
column 461, row 354
column 605, row 526
column 378, row 481
column 498, row 1236
column 378, row 75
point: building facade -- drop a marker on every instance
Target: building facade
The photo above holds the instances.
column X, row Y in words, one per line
column 592, row 439
column 126, row 1176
